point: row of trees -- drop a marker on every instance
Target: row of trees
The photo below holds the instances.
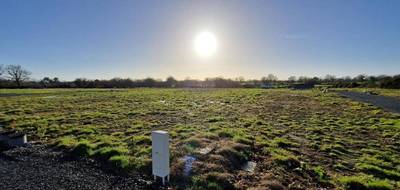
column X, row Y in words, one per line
column 170, row 82
column 381, row 81
column 14, row 76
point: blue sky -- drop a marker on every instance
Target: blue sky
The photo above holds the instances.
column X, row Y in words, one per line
column 137, row 39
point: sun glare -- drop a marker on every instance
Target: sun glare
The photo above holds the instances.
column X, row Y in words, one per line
column 205, row 44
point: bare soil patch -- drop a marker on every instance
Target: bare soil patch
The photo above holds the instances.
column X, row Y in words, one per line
column 38, row 167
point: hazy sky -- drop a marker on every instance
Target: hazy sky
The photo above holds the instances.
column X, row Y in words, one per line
column 117, row 38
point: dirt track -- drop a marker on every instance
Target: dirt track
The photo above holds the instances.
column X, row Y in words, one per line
column 387, row 103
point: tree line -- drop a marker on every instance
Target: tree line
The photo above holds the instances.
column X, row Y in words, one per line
column 15, row 76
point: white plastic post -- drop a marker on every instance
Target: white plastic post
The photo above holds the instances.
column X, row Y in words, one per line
column 18, row 140
column 160, row 154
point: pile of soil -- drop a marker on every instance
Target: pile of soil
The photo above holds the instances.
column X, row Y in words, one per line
column 39, row 167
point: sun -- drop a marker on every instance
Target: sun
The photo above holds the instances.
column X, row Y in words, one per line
column 205, row 44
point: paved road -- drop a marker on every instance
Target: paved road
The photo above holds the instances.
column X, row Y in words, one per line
column 387, row 103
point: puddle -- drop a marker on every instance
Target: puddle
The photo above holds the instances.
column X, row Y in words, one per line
column 249, row 166
column 188, row 164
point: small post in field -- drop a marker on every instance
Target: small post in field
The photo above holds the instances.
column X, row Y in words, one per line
column 17, row 139
column 160, row 154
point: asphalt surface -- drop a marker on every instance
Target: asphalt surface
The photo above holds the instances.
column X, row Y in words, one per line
column 38, row 167
column 391, row 104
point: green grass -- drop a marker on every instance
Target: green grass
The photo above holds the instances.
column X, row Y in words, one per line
column 66, row 142
column 365, row 182
column 120, row 161
column 379, row 172
column 83, row 148
column 307, row 138
column 107, row 152
column 320, row 173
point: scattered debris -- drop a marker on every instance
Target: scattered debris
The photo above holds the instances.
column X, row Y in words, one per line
column 325, row 90
column 206, row 150
column 249, row 166
column 188, row 164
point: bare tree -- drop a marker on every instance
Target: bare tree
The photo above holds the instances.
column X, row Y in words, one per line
column 17, row 74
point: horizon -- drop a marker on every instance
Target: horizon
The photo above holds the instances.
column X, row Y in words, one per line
column 137, row 40
column 297, row 78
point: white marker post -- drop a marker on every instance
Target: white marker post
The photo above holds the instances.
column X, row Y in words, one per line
column 160, row 154
column 17, row 139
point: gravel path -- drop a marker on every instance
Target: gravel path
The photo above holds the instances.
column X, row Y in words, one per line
column 387, row 103
column 37, row 167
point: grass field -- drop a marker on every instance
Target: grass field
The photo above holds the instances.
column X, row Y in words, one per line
column 299, row 139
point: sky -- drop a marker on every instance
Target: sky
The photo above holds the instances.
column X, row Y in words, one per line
column 102, row 39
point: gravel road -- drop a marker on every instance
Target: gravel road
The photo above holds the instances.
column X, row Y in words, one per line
column 37, row 167
column 387, row 103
